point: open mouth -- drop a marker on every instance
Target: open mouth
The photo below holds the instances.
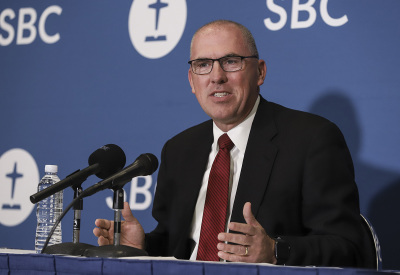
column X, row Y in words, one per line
column 220, row 94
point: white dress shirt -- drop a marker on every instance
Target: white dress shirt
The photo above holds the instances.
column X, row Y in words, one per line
column 239, row 136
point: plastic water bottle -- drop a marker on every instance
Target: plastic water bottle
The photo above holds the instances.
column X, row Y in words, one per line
column 48, row 210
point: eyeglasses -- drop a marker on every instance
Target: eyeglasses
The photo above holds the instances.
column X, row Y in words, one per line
column 227, row 63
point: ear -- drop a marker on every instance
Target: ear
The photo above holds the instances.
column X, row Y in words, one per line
column 262, row 71
column 191, row 80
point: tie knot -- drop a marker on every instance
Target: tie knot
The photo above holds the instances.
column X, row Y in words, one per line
column 225, row 142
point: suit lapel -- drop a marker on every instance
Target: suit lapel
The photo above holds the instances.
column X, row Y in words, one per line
column 193, row 173
column 195, row 169
column 257, row 163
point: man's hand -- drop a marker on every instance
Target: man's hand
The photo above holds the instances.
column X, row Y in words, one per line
column 255, row 246
column 132, row 233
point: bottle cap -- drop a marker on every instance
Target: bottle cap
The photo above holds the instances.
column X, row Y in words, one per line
column 51, row 168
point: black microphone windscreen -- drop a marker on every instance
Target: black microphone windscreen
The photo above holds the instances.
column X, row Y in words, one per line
column 151, row 163
column 111, row 159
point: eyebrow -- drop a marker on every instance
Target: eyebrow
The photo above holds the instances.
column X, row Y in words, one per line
column 227, row 55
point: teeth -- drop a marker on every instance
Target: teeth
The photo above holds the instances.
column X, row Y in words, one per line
column 220, row 94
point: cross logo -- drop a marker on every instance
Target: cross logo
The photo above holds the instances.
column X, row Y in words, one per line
column 19, row 177
column 14, row 176
column 156, row 26
column 157, row 6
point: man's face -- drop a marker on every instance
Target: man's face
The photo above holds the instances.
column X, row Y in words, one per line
column 227, row 97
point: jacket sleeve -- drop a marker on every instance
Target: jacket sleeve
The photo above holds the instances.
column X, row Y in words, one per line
column 330, row 205
column 157, row 240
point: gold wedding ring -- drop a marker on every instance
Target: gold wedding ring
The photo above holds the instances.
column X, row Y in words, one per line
column 247, row 251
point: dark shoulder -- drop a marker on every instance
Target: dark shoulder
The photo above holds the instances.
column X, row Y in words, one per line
column 194, row 141
column 193, row 135
column 286, row 118
column 294, row 124
column 195, row 131
column 285, row 114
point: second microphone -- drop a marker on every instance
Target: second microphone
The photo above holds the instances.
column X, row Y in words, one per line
column 145, row 164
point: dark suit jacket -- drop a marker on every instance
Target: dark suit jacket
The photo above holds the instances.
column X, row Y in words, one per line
column 298, row 174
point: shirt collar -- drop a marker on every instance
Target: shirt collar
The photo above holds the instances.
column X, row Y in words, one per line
column 240, row 133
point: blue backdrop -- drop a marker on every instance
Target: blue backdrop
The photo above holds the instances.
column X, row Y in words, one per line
column 77, row 75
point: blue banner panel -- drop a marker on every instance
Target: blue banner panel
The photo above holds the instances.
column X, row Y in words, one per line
column 76, row 75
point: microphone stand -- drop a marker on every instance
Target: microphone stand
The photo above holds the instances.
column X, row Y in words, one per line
column 75, row 248
column 78, row 207
column 115, row 250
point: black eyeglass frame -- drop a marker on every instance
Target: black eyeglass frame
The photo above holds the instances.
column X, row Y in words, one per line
column 219, row 61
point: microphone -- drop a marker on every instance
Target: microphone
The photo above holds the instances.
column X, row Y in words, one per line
column 103, row 162
column 145, row 164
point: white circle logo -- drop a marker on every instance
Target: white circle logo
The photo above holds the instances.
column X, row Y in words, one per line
column 19, row 178
column 156, row 26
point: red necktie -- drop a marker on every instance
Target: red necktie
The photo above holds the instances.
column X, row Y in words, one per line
column 216, row 206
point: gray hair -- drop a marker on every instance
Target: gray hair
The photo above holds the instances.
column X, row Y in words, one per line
column 250, row 42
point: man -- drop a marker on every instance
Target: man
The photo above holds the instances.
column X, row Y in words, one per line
column 291, row 185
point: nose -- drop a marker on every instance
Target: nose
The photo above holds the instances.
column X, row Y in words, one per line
column 218, row 75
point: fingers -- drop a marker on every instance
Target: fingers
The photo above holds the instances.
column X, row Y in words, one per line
column 251, row 225
column 103, row 241
column 250, row 243
column 235, row 238
column 233, row 257
column 243, row 228
column 102, row 223
column 101, row 232
column 248, row 215
column 103, row 236
column 132, row 232
column 104, row 231
column 235, row 253
column 127, row 213
column 234, row 249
